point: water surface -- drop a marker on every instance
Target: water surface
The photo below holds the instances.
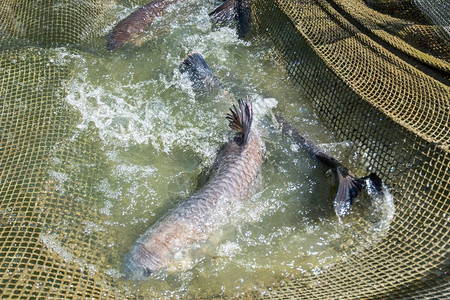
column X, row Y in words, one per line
column 159, row 139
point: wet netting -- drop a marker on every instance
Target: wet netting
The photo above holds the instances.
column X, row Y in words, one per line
column 376, row 72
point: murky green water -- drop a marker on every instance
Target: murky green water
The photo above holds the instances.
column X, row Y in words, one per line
column 159, row 138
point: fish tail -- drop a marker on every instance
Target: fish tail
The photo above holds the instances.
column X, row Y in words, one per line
column 241, row 120
column 225, row 12
column 199, row 72
column 349, row 188
column 244, row 17
column 230, row 10
column 374, row 182
column 195, row 61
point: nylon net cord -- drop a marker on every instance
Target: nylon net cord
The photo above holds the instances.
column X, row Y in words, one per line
column 377, row 73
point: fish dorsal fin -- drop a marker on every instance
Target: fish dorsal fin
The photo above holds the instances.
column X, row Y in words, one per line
column 241, row 120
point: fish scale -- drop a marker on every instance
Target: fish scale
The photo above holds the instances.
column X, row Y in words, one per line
column 196, row 218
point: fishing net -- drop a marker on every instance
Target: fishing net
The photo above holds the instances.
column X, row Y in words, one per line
column 376, row 71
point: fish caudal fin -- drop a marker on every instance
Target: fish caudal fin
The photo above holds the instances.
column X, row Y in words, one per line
column 241, row 120
column 375, row 184
column 224, row 13
column 244, row 17
column 230, row 10
column 199, row 72
column 349, row 188
column 195, row 61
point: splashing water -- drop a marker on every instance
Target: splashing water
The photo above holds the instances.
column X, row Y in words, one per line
column 159, row 139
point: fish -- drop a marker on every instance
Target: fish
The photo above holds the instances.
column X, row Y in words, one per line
column 195, row 219
column 141, row 19
column 349, row 186
column 199, row 73
column 137, row 22
column 239, row 10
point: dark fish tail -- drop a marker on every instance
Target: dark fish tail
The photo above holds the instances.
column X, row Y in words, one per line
column 224, row 13
column 244, row 17
column 241, row 120
column 349, row 186
column 230, row 10
column 374, row 182
column 199, row 72
column 202, row 76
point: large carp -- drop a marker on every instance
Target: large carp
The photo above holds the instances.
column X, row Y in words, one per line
column 203, row 78
column 232, row 181
column 141, row 19
column 137, row 23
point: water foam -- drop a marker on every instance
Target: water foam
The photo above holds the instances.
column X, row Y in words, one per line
column 154, row 132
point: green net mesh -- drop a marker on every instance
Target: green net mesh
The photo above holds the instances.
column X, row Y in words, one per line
column 377, row 72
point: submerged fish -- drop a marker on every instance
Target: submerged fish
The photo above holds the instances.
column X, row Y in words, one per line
column 199, row 73
column 141, row 19
column 239, row 10
column 232, row 181
column 137, row 22
column 349, row 186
